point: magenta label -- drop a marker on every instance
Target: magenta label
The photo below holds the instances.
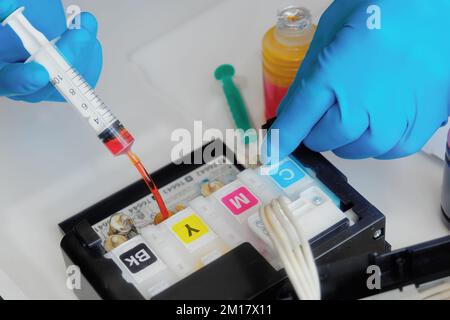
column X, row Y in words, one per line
column 239, row 201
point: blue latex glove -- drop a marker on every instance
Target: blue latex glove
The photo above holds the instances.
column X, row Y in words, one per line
column 30, row 81
column 371, row 92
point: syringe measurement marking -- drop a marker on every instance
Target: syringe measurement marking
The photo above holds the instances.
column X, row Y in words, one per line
column 85, row 87
column 59, row 79
column 92, row 96
column 98, row 111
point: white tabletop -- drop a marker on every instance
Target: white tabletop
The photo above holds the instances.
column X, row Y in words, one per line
column 44, row 182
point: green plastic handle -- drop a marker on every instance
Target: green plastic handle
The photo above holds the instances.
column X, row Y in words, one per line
column 225, row 74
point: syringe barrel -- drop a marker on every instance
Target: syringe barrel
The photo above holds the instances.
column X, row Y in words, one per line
column 72, row 86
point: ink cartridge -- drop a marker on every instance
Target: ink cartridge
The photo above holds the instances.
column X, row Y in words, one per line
column 142, row 267
column 289, row 176
column 191, row 238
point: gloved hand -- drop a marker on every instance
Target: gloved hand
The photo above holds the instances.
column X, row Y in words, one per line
column 365, row 92
column 30, row 81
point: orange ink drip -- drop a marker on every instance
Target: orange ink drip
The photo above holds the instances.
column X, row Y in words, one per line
column 150, row 183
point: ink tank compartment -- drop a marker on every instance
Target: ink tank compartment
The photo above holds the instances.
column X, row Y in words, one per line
column 216, row 230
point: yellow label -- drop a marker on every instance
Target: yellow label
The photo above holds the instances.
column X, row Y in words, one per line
column 190, row 228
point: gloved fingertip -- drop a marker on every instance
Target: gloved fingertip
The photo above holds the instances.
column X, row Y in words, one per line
column 350, row 153
column 7, row 7
column 42, row 94
column 73, row 42
column 74, row 38
column 385, row 157
column 25, row 78
column 21, row 81
column 56, row 97
column 271, row 151
column 89, row 22
column 316, row 146
column 284, row 136
column 80, row 36
column 27, row 98
column 37, row 75
column 286, row 100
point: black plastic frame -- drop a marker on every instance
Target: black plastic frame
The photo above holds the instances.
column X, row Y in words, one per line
column 414, row 265
column 343, row 242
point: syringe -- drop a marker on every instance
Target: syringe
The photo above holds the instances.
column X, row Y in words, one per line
column 71, row 84
column 75, row 89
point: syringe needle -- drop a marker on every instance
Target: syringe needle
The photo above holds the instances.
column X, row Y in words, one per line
column 150, row 184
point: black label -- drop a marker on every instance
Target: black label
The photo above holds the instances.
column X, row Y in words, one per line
column 138, row 258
